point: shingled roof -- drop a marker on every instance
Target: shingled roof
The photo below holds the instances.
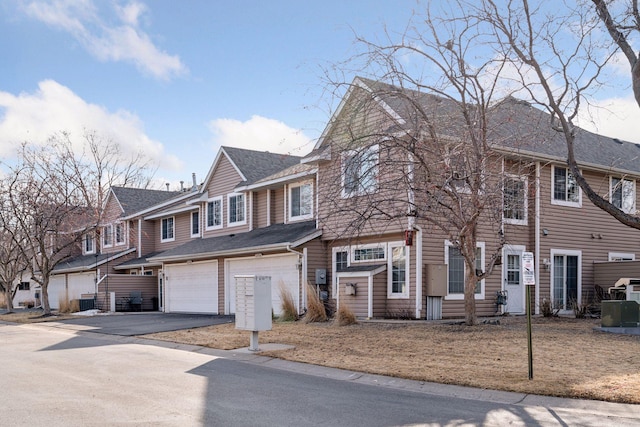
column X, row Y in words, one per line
column 135, row 200
column 513, row 125
column 256, row 165
column 277, row 235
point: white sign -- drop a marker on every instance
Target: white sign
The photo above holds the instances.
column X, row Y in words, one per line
column 528, row 269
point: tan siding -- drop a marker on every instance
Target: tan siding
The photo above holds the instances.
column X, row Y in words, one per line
column 607, row 273
column 148, row 237
column 277, row 206
column 182, row 231
column 380, row 301
column 358, row 302
column 224, row 179
column 260, row 209
column 318, row 255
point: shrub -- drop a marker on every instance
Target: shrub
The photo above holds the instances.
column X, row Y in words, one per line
column 547, row 309
column 345, row 316
column 3, row 300
column 315, row 307
column 289, row 312
column 72, row 306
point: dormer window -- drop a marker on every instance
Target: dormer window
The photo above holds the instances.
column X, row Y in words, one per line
column 119, row 233
column 107, row 236
column 360, row 171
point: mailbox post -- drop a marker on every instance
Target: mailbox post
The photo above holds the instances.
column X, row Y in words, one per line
column 253, row 305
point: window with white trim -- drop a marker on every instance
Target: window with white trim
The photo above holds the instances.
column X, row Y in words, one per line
column 24, row 286
column 119, row 233
column 398, row 271
column 167, row 229
column 360, row 171
column 623, row 194
column 621, row 256
column 366, row 253
column 301, row 201
column 107, row 236
column 236, row 209
column 214, row 213
column 88, row 244
column 514, row 199
column 340, row 263
column 195, row 223
column 456, row 269
column 565, row 189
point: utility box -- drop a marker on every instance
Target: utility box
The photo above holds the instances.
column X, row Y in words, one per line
column 253, row 303
column 436, row 280
column 616, row 314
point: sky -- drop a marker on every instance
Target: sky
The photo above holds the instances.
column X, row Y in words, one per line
column 178, row 79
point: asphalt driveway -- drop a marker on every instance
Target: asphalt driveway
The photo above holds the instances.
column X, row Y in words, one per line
column 130, row 324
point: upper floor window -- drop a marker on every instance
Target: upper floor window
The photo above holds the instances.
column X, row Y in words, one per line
column 214, row 213
column 301, row 201
column 514, row 199
column 236, row 209
column 88, row 244
column 360, row 171
column 24, row 286
column 107, row 236
column 398, row 280
column 119, row 233
column 565, row 188
column 167, row 229
column 195, row 223
column 456, row 271
column 623, row 194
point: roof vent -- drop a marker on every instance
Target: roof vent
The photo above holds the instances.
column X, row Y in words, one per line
column 617, row 141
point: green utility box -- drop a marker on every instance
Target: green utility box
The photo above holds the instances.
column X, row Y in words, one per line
column 620, row 314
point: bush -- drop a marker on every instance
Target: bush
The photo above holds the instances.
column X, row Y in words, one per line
column 3, row 300
column 72, row 306
column 315, row 307
column 345, row 316
column 547, row 309
column 289, row 312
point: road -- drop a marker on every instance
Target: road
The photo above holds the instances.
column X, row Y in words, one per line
column 53, row 376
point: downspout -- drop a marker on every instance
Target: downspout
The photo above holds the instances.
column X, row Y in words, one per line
column 418, row 240
column 250, row 210
column 537, row 241
column 370, row 297
column 268, row 207
column 139, row 237
column 411, row 226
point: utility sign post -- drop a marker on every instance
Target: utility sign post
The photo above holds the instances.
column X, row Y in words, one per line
column 529, row 279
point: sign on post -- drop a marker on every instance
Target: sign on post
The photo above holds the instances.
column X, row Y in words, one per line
column 528, row 269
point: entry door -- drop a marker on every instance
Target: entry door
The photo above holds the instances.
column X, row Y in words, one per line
column 513, row 282
column 565, row 281
column 160, row 291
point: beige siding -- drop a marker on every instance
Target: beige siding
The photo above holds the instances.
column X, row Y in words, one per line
column 318, row 255
column 357, row 303
column 260, row 209
column 224, row 179
column 277, row 206
column 182, row 231
column 149, row 237
column 123, row 284
column 607, row 273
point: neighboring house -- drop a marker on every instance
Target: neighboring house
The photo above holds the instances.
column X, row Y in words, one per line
column 377, row 273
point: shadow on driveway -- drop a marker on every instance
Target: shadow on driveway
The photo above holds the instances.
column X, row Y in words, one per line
column 131, row 324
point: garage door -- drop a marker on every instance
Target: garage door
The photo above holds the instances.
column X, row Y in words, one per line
column 191, row 288
column 76, row 285
column 281, row 268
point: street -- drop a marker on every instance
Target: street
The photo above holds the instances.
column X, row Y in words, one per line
column 59, row 377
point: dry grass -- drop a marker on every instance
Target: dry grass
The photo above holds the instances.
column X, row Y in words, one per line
column 345, row 316
column 72, row 306
column 315, row 307
column 570, row 358
column 24, row 316
column 3, row 300
column 289, row 310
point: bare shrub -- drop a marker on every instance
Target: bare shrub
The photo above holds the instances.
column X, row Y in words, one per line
column 72, row 306
column 289, row 312
column 401, row 314
column 315, row 307
column 547, row 309
column 3, row 301
column 345, row 316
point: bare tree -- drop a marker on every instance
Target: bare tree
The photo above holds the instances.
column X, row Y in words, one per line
column 13, row 264
column 54, row 194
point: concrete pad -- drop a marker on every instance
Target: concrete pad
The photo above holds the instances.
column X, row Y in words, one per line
column 264, row 347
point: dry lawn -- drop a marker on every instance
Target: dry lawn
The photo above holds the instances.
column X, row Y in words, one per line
column 570, row 359
column 28, row 316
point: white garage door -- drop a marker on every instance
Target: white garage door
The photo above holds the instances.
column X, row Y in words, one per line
column 72, row 288
column 191, row 288
column 281, row 268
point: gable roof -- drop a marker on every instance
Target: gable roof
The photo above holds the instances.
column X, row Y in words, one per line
column 133, row 200
column 87, row 262
column 255, row 165
column 273, row 237
column 515, row 126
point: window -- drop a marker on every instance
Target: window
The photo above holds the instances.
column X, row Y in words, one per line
column 566, row 280
column 88, row 244
column 456, row 271
column 515, row 200
column 301, row 201
column 107, row 236
column 214, row 213
column 621, row 256
column 119, row 233
column 398, row 280
column 565, row 188
column 195, row 223
column 24, row 286
column 360, row 172
column 340, row 263
column 167, row 230
column 236, row 207
column 366, row 253
column 623, row 194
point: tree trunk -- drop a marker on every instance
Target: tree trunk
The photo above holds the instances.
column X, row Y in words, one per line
column 45, row 295
column 9, row 298
column 470, row 296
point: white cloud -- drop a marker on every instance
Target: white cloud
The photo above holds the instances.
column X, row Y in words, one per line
column 613, row 117
column 34, row 117
column 120, row 41
column 260, row 133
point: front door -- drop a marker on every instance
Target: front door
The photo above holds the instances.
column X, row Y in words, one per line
column 565, row 281
column 513, row 282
